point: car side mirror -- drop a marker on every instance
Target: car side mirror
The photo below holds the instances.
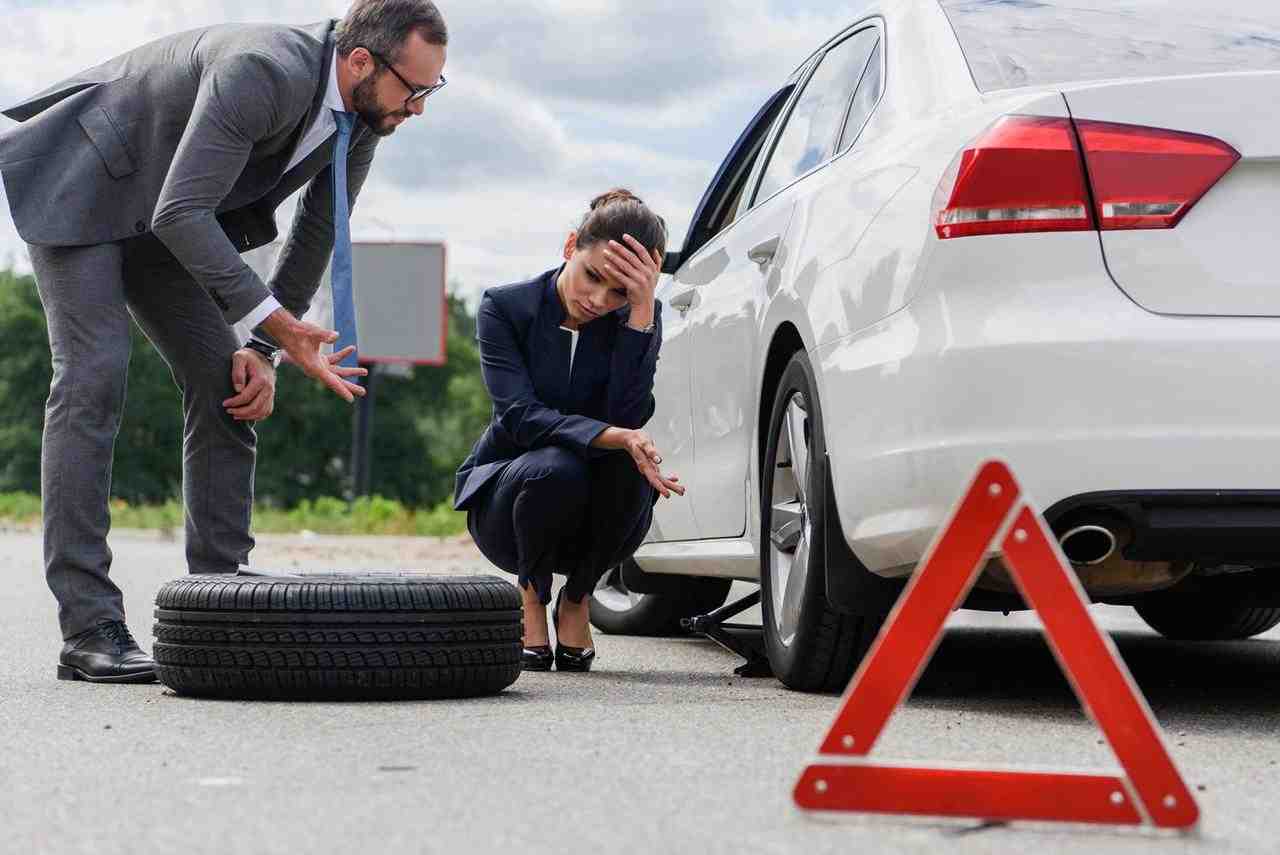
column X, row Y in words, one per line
column 671, row 262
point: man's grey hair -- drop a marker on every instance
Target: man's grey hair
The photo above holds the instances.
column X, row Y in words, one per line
column 383, row 26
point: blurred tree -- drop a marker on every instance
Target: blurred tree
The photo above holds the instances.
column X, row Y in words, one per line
column 423, row 427
column 24, row 383
column 424, row 424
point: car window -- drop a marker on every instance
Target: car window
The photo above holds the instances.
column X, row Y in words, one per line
column 1027, row 43
column 752, row 179
column 814, row 125
column 864, row 100
column 727, row 211
column 734, row 206
column 719, row 206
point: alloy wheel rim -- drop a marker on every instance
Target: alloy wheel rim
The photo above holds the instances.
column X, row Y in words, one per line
column 611, row 593
column 790, row 529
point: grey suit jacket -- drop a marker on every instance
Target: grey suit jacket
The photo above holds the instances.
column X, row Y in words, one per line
column 183, row 143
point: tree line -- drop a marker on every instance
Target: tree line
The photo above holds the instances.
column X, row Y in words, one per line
column 424, row 424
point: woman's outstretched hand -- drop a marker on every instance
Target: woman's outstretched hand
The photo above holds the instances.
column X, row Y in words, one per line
column 645, row 455
column 636, row 269
column 647, row 459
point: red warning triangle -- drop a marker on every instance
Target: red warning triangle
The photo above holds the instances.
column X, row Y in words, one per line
column 994, row 514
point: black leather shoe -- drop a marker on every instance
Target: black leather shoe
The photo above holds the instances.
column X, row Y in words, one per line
column 537, row 658
column 105, row 654
column 568, row 658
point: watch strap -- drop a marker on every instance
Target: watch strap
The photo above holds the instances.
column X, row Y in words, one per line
column 272, row 354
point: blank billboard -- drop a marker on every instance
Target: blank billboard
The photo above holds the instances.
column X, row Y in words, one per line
column 401, row 309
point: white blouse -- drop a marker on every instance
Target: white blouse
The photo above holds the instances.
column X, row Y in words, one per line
column 573, row 346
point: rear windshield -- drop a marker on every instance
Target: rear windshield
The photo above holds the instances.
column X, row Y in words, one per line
column 1011, row 43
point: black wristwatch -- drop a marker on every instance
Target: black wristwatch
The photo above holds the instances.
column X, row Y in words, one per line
column 272, row 354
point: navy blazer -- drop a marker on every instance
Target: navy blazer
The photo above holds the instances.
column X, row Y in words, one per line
column 524, row 357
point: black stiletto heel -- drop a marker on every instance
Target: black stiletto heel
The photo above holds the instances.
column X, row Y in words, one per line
column 575, row 659
column 537, row 658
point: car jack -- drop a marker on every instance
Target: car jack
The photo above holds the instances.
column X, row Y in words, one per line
column 743, row 639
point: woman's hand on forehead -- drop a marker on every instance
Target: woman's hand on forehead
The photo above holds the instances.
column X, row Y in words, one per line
column 634, row 267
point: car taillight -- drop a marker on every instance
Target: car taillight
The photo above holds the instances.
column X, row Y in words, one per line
column 1149, row 178
column 1023, row 174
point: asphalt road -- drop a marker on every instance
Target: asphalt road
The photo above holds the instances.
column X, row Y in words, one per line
column 660, row 749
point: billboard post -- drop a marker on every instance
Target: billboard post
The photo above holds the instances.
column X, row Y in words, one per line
column 362, row 437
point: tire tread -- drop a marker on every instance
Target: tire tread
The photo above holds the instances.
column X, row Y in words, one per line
column 340, row 637
column 828, row 650
column 1207, row 620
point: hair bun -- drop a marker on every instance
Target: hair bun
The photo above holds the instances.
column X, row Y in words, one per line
column 617, row 194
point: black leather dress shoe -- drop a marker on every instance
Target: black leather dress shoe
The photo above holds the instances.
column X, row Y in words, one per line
column 537, row 658
column 105, row 654
column 568, row 658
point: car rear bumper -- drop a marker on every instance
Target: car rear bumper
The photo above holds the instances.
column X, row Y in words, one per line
column 1022, row 348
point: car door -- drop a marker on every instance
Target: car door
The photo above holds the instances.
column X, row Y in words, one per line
column 672, row 424
column 734, row 276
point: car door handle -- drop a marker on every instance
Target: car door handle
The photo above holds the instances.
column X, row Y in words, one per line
column 763, row 253
column 683, row 301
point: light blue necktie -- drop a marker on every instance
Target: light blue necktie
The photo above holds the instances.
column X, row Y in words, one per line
column 344, row 308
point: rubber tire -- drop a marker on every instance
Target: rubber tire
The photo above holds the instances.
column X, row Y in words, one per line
column 659, row 615
column 1184, row 618
column 829, row 644
column 338, row 636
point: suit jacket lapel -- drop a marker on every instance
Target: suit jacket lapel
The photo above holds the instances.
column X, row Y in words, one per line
column 551, row 352
column 312, row 164
column 591, row 364
column 309, row 167
column 317, row 102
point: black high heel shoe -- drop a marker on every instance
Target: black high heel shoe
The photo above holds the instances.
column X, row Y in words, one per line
column 537, row 658
column 577, row 659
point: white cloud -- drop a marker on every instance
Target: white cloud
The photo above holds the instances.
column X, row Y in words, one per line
column 664, row 61
column 549, row 103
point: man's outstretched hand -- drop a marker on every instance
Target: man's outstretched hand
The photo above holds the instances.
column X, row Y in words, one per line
column 302, row 341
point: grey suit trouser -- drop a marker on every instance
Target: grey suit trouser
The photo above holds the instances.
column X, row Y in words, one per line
column 89, row 294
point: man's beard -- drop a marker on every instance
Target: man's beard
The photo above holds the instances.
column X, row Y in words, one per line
column 366, row 106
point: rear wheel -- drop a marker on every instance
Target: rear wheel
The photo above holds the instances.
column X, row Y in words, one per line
column 811, row 646
column 1209, row 619
column 617, row 610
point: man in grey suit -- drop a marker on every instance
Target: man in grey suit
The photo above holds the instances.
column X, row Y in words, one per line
column 136, row 185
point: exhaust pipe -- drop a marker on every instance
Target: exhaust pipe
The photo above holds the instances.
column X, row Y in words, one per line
column 1088, row 545
column 1094, row 541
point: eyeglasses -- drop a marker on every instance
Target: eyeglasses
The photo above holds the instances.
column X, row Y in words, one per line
column 416, row 93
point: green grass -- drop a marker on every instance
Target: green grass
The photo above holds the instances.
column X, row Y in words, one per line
column 326, row 515
column 19, row 507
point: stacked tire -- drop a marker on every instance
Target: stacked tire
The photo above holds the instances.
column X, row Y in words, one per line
column 338, row 636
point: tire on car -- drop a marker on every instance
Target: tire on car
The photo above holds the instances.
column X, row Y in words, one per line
column 338, row 636
column 811, row 646
column 617, row 610
column 1212, row 618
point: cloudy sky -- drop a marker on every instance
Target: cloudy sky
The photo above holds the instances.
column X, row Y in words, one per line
column 549, row 102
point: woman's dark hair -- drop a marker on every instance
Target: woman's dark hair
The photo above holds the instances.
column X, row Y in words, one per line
column 383, row 26
column 620, row 212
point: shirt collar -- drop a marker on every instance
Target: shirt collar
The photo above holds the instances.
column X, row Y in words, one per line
column 332, row 94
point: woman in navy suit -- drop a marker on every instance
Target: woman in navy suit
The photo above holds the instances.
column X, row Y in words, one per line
column 564, row 480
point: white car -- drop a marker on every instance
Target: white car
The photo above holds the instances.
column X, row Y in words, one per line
column 1041, row 231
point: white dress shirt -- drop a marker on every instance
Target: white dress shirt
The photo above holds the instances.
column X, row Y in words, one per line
column 321, row 129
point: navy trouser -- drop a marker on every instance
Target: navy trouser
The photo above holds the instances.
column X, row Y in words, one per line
column 551, row 511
